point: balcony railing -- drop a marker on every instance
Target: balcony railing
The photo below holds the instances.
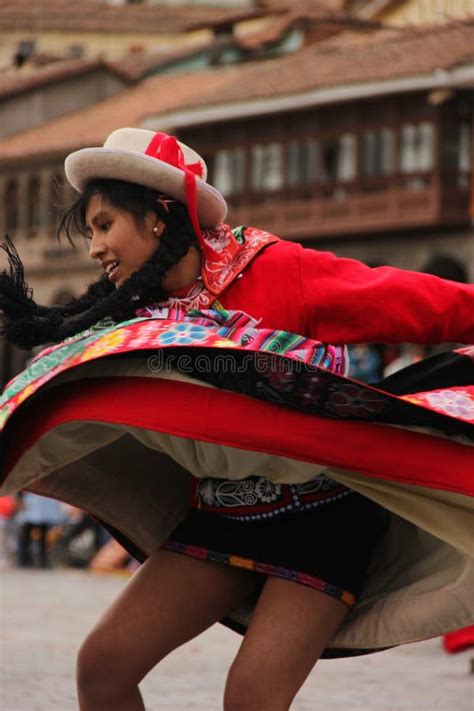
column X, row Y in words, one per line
column 377, row 204
column 332, row 209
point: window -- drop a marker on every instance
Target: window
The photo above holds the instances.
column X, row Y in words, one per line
column 55, row 202
column 346, row 165
column 229, row 171
column 407, row 149
column 387, row 151
column 301, row 163
column 457, row 147
column 338, row 159
column 369, row 164
column 293, row 164
column 33, row 214
column 11, row 206
column 329, row 156
column 417, row 147
column 465, row 152
column 311, row 152
column 378, row 152
column 75, row 51
column 25, row 49
column 425, row 146
column 267, row 167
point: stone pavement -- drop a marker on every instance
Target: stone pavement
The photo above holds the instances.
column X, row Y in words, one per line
column 45, row 614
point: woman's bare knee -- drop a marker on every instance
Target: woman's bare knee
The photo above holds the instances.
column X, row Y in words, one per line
column 169, row 601
column 247, row 690
column 100, row 665
column 89, row 664
column 104, row 670
column 290, row 627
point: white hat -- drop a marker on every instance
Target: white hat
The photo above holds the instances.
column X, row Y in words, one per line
column 155, row 160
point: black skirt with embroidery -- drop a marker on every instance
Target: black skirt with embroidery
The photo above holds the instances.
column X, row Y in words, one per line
column 322, row 537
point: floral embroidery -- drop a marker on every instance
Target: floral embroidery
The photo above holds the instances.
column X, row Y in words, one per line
column 26, row 392
column 195, row 297
column 278, row 377
column 267, row 490
column 218, row 238
column 227, row 494
column 206, row 491
column 183, row 334
column 224, row 343
column 106, row 344
column 258, row 498
column 311, row 391
column 225, row 255
column 319, row 484
column 350, row 400
column 273, row 372
column 154, row 311
column 457, row 402
column 254, row 236
column 155, row 327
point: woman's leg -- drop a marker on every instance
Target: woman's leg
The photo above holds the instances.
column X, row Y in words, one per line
column 291, row 626
column 170, row 599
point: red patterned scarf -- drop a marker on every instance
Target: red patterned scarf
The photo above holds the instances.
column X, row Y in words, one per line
column 224, row 255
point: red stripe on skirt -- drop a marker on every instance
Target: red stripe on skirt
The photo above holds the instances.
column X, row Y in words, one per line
column 226, row 418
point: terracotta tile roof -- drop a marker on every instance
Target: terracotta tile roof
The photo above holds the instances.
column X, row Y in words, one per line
column 229, row 19
column 19, row 81
column 137, row 65
column 306, row 15
column 375, row 7
column 344, row 60
column 348, row 58
column 90, row 126
column 307, row 5
column 354, row 57
column 34, row 16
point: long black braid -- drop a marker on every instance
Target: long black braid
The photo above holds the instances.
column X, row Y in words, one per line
column 27, row 324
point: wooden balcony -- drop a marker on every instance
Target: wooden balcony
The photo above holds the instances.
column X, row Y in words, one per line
column 376, row 205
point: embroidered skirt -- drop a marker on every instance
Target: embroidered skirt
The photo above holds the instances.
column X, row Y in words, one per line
column 323, row 541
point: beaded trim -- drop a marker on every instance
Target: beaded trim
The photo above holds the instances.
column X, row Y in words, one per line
column 257, row 567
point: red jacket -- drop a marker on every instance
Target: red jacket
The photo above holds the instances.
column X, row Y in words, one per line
column 338, row 300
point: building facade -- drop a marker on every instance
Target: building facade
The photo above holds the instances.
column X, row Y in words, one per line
column 378, row 167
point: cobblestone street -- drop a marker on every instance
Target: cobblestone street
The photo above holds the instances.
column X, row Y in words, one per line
column 45, row 614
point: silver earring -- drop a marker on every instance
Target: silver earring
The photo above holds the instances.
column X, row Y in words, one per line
column 155, row 230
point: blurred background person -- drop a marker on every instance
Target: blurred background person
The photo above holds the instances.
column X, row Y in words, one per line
column 35, row 516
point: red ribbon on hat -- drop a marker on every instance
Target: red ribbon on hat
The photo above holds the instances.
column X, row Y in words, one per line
column 167, row 149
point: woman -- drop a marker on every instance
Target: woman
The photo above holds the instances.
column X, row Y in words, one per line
column 267, row 528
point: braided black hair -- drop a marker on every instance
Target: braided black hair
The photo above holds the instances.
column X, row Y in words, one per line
column 27, row 324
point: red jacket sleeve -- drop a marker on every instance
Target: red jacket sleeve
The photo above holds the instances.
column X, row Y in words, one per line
column 349, row 302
